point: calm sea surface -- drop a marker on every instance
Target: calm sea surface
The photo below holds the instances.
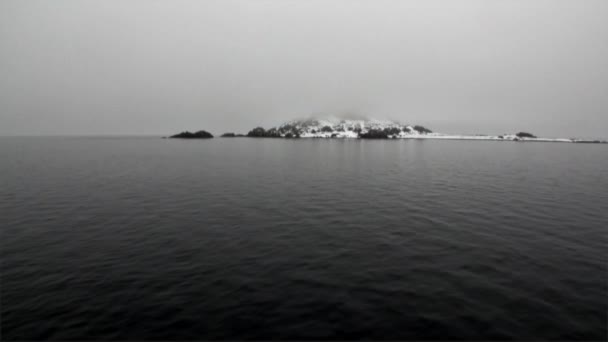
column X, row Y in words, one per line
column 146, row 238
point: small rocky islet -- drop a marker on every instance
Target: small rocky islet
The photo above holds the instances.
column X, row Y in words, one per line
column 367, row 129
column 196, row 135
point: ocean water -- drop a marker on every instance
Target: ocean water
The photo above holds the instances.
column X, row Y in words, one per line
column 148, row 238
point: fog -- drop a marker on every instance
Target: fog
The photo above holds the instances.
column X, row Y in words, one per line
column 158, row 67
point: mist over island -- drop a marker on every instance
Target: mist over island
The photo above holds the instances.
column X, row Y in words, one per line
column 470, row 67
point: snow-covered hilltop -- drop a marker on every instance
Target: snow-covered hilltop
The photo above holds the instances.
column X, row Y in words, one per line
column 380, row 129
column 342, row 128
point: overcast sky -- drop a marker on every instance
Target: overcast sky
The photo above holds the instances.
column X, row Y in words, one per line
column 158, row 67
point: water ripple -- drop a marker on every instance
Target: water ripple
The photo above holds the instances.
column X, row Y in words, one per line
column 257, row 239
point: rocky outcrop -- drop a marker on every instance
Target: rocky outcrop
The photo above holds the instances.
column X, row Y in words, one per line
column 195, row 135
column 282, row 132
column 374, row 134
column 258, row 132
column 422, row 129
column 525, row 135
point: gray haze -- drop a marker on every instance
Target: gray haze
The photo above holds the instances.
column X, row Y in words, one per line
column 158, row 67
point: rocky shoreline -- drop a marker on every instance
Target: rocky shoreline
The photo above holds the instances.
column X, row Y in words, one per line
column 369, row 129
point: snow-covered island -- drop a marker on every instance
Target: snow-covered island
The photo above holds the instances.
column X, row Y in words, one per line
column 383, row 129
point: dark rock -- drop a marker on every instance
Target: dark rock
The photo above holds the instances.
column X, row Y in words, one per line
column 196, row 135
column 228, row 135
column 260, row 132
column 257, row 132
column 422, row 129
column 525, row 135
column 293, row 130
column 286, row 128
column 392, row 131
column 273, row 133
column 374, row 134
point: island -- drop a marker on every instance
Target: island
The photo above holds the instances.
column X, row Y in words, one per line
column 190, row 135
column 339, row 128
column 363, row 128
